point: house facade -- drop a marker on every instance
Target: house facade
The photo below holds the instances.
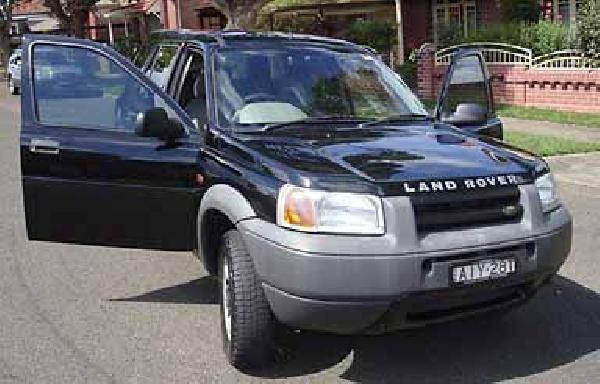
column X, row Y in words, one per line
column 421, row 20
column 191, row 14
column 33, row 16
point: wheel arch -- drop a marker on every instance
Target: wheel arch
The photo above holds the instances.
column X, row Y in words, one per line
column 221, row 208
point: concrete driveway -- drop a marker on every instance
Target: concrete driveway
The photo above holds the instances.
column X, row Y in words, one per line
column 75, row 314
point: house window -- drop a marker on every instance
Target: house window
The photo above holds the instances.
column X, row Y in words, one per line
column 565, row 11
column 462, row 14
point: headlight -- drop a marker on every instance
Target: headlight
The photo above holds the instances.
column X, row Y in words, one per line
column 547, row 190
column 329, row 212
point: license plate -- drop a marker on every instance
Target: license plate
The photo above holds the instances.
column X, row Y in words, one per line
column 483, row 270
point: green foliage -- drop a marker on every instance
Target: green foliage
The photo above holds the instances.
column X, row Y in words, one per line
column 378, row 35
column 327, row 97
column 588, row 25
column 408, row 73
column 520, row 10
column 128, row 47
column 545, row 145
column 542, row 37
column 591, row 120
column 451, row 34
column 546, row 37
column 508, row 33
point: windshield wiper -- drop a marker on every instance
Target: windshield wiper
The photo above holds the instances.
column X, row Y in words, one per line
column 396, row 119
column 316, row 121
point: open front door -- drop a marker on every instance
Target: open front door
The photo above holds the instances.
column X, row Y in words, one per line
column 466, row 100
column 89, row 176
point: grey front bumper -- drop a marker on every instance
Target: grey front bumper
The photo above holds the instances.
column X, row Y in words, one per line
column 346, row 284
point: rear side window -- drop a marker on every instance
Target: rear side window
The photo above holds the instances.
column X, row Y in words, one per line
column 81, row 88
column 163, row 64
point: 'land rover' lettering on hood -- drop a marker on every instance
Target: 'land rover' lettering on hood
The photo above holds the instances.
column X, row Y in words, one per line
column 454, row 185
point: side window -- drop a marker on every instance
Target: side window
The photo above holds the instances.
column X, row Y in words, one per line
column 81, row 88
column 192, row 93
column 467, row 87
column 164, row 61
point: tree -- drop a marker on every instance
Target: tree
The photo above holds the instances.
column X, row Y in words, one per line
column 6, row 7
column 241, row 14
column 379, row 35
column 588, row 28
column 71, row 14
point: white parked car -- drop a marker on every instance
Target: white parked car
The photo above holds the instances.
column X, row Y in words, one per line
column 14, row 72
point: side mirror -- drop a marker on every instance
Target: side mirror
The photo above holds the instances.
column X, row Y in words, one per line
column 156, row 123
column 467, row 114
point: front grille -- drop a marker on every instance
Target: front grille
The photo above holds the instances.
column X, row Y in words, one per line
column 446, row 211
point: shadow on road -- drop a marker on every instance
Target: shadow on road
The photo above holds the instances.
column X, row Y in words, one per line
column 200, row 291
column 558, row 326
column 551, row 330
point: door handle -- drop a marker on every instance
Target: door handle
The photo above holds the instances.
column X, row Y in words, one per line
column 44, row 146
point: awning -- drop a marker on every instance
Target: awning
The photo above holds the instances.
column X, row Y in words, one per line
column 46, row 25
column 338, row 8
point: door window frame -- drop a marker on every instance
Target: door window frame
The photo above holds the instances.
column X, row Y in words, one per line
column 490, row 105
column 183, row 68
column 142, row 80
column 174, row 88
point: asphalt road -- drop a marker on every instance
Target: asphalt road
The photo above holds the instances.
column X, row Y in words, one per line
column 71, row 314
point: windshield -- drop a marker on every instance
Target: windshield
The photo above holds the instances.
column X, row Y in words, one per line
column 269, row 85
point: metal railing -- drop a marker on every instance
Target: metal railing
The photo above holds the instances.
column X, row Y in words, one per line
column 494, row 53
column 567, row 59
column 506, row 54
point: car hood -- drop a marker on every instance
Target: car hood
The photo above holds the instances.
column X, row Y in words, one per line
column 395, row 154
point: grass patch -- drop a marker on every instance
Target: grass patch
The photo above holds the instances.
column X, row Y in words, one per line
column 529, row 113
column 591, row 120
column 549, row 145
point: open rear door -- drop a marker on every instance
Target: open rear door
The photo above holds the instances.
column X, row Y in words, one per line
column 466, row 100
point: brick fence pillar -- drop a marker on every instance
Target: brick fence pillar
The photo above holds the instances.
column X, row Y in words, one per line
column 426, row 84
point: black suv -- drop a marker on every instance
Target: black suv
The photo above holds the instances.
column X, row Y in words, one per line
column 302, row 171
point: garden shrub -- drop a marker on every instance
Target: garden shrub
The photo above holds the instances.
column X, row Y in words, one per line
column 542, row 37
column 408, row 73
column 545, row 37
column 376, row 34
column 127, row 46
column 588, row 28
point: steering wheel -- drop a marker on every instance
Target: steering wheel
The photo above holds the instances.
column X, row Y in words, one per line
column 257, row 97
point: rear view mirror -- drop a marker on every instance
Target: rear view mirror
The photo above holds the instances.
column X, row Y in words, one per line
column 467, row 114
column 156, row 123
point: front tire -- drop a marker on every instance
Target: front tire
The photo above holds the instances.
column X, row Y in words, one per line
column 246, row 319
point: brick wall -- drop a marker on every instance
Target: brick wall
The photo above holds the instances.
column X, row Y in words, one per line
column 568, row 90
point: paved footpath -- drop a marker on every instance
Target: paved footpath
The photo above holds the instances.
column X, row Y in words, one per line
column 552, row 129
